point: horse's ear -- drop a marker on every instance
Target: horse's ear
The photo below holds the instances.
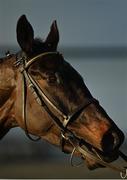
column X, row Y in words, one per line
column 25, row 34
column 53, row 37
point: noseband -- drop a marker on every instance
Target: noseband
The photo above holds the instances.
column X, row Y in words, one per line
column 62, row 119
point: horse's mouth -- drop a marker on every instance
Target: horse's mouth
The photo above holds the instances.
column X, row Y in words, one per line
column 107, row 157
column 104, row 157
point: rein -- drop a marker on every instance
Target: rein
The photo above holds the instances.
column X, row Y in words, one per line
column 43, row 100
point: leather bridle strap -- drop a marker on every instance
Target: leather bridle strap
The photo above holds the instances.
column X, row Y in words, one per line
column 24, row 114
column 34, row 59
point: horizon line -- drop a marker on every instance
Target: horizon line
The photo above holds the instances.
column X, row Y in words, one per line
column 109, row 51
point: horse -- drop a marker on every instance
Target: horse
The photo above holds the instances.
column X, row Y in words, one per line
column 44, row 95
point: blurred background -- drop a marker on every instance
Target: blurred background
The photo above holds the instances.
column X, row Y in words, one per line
column 93, row 38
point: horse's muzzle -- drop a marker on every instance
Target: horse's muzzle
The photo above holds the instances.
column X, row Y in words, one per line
column 112, row 140
column 110, row 145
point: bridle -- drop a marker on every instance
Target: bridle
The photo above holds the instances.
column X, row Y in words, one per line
column 64, row 119
column 43, row 99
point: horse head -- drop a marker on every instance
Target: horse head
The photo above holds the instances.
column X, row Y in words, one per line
column 65, row 88
column 67, row 96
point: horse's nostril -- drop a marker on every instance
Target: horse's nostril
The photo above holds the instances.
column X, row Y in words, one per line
column 108, row 142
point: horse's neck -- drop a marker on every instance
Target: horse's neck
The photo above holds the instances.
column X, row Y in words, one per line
column 7, row 80
column 7, row 86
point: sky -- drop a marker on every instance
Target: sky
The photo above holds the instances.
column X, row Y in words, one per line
column 80, row 22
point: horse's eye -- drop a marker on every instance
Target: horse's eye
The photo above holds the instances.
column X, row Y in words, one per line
column 53, row 78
